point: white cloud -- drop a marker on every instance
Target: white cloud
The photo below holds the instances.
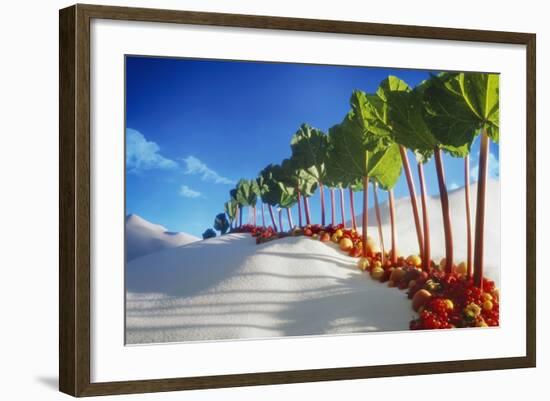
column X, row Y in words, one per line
column 195, row 167
column 493, row 168
column 187, row 192
column 142, row 154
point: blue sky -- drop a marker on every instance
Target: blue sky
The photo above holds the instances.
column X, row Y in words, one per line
column 195, row 127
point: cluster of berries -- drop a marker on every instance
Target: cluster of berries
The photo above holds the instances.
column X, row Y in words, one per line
column 454, row 301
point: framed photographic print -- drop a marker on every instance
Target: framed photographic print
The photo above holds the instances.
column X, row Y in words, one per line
column 250, row 200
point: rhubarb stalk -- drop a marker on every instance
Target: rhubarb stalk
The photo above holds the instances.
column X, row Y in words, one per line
column 299, row 208
column 365, row 213
column 379, row 222
column 469, row 255
column 412, row 193
column 280, row 219
column 306, row 208
column 427, row 257
column 342, row 207
column 322, row 194
column 480, row 209
column 272, row 217
column 393, row 230
column 332, row 208
column 443, row 195
column 352, row 209
column 289, row 216
column 263, row 215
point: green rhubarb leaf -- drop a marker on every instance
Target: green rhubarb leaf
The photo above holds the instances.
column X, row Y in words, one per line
column 406, row 117
column 279, row 187
column 310, row 151
column 296, row 177
column 247, row 192
column 459, row 105
column 230, row 208
column 370, row 113
column 388, row 169
column 357, row 152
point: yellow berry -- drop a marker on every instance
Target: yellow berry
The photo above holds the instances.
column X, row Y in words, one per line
column 487, row 305
column 449, row 304
column 414, row 260
column 346, row 244
column 363, row 264
column 486, row 296
column 376, row 273
column 462, row 269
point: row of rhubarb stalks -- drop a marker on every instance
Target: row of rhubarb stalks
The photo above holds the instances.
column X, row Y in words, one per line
column 370, row 149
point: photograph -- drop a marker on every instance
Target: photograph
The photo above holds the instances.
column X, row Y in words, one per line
column 271, row 200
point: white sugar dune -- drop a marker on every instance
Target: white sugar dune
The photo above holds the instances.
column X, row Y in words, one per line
column 143, row 237
column 228, row 287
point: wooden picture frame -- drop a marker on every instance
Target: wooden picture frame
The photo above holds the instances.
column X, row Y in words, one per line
column 74, row 199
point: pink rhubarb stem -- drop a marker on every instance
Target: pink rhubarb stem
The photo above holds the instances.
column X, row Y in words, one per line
column 412, row 193
column 379, row 222
column 289, row 216
column 281, row 219
column 299, row 208
column 480, row 209
column 332, row 208
column 365, row 213
column 444, row 196
column 352, row 209
column 426, row 261
column 393, row 229
column 322, row 194
column 342, row 207
column 469, row 254
column 263, row 215
column 272, row 217
column 306, row 208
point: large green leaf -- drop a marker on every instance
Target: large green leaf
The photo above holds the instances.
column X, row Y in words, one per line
column 247, row 192
column 357, row 151
column 336, row 174
column 287, row 195
column 388, row 169
column 395, row 111
column 279, row 189
column 231, row 209
column 310, row 151
column 406, row 116
column 458, row 105
column 370, row 112
column 294, row 176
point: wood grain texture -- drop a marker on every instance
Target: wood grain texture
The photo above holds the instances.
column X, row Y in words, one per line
column 74, row 198
column 67, row 131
